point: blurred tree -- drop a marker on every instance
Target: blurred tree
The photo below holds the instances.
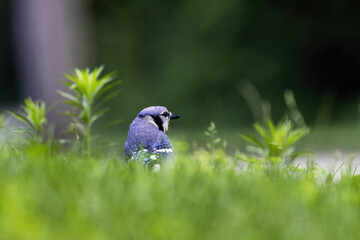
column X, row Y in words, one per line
column 51, row 38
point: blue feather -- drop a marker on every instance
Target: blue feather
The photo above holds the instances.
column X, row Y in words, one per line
column 146, row 142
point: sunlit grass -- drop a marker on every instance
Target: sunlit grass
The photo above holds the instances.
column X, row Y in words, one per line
column 65, row 196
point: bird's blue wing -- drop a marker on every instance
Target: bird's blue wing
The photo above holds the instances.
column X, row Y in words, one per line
column 148, row 138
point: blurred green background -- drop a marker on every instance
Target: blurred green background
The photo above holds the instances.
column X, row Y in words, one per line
column 195, row 57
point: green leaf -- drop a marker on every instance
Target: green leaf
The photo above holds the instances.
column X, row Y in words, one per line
column 108, row 98
column 21, row 118
column 272, row 129
column 75, row 104
column 102, row 82
column 295, row 136
column 67, row 96
column 107, row 87
column 275, row 149
column 80, row 127
column 96, row 116
column 251, row 140
column 71, row 78
column 261, row 131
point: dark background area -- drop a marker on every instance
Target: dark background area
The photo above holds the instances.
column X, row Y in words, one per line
column 194, row 56
column 9, row 80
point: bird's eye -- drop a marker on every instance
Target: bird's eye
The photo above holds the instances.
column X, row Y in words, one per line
column 165, row 114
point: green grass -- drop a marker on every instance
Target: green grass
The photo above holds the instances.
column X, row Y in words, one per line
column 66, row 196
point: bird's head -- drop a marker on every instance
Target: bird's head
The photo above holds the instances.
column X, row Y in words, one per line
column 159, row 116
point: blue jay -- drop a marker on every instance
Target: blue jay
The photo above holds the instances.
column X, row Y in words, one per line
column 147, row 140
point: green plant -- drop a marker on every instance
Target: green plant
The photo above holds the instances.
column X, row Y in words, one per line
column 276, row 143
column 33, row 115
column 87, row 96
column 211, row 133
column 214, row 154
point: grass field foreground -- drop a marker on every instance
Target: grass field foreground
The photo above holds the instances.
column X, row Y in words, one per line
column 199, row 195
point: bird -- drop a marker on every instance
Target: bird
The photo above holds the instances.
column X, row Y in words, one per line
column 147, row 140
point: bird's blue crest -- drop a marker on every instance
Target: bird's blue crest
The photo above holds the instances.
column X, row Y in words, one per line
column 153, row 111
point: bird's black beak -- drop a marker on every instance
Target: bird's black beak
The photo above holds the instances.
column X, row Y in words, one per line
column 174, row 116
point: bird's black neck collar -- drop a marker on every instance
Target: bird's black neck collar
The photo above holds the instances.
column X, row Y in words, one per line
column 158, row 122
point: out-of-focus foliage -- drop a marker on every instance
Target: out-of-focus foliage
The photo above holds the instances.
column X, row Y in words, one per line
column 33, row 115
column 195, row 55
column 276, row 143
column 89, row 92
column 65, row 196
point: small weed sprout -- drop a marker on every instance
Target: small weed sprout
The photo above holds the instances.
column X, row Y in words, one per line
column 87, row 96
column 33, row 115
column 330, row 175
column 211, row 132
column 216, row 148
column 276, row 143
column 350, row 168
